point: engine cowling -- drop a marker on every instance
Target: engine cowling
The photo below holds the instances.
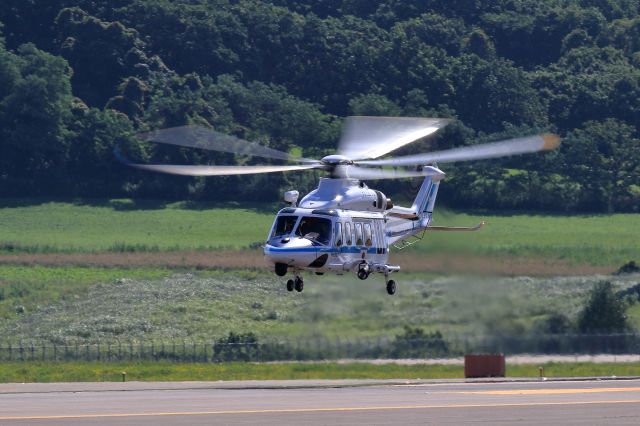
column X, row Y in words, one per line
column 347, row 194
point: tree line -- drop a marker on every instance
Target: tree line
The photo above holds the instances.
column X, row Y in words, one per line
column 79, row 77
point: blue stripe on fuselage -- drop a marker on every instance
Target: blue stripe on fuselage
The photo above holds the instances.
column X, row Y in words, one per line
column 370, row 250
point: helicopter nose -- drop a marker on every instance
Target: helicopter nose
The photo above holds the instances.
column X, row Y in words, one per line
column 290, row 251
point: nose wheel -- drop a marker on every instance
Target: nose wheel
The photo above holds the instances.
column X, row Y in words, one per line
column 296, row 283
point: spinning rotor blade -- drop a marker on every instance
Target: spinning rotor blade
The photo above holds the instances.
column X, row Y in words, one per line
column 218, row 170
column 504, row 148
column 367, row 173
column 372, row 137
column 200, row 137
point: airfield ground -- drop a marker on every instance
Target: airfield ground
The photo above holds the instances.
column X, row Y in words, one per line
column 189, row 272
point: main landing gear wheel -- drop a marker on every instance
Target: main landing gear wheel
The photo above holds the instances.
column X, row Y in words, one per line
column 391, row 287
column 298, row 284
column 290, row 285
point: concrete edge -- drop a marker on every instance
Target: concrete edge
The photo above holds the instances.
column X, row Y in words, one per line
column 77, row 387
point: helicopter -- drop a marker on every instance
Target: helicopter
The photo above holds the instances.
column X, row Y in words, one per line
column 343, row 225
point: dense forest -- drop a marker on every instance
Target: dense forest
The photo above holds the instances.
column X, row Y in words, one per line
column 78, row 77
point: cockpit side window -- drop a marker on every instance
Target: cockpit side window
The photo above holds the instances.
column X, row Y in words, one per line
column 284, row 225
column 316, row 229
column 338, row 236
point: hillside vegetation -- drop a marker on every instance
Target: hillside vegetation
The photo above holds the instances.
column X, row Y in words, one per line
column 79, row 77
column 98, row 305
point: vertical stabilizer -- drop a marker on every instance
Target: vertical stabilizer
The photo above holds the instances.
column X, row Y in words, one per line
column 404, row 223
column 426, row 198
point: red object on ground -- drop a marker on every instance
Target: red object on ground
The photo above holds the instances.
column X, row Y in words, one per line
column 484, row 366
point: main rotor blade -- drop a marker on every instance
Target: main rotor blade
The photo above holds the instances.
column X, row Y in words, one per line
column 372, row 137
column 219, row 170
column 504, row 148
column 200, row 137
column 372, row 174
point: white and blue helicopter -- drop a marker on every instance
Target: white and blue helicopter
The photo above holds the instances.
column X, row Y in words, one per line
column 343, row 225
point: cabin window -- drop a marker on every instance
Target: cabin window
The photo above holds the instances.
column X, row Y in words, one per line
column 358, row 227
column 338, row 236
column 347, row 232
column 284, row 226
column 367, row 235
column 316, row 229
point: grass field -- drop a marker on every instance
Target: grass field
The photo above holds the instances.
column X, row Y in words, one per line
column 162, row 294
column 23, row 290
column 97, row 304
column 124, row 225
column 159, row 371
column 127, row 226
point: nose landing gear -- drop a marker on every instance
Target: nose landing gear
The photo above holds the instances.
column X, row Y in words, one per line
column 296, row 283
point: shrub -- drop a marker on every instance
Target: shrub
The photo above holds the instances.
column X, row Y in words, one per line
column 415, row 343
column 604, row 312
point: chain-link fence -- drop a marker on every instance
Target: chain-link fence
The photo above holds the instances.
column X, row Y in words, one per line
column 307, row 349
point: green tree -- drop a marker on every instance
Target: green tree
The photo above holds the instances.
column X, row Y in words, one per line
column 604, row 312
column 500, row 92
column 604, row 158
column 373, row 104
column 35, row 95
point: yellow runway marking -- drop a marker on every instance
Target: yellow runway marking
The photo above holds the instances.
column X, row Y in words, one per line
column 313, row 410
column 548, row 391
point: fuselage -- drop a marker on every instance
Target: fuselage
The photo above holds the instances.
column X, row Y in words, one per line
column 326, row 239
column 345, row 226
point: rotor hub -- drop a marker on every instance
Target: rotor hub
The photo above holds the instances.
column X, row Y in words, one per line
column 336, row 160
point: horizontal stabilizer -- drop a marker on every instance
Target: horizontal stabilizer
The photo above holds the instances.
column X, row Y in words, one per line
column 456, row 228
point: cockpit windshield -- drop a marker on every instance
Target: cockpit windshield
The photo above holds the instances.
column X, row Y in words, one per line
column 284, row 226
column 315, row 229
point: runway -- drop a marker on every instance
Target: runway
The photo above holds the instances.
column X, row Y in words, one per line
column 611, row 402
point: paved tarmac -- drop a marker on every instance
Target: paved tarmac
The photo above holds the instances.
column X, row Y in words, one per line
column 611, row 402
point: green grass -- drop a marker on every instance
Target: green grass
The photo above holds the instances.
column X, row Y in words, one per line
column 162, row 371
column 121, row 225
column 598, row 239
column 24, row 290
column 124, row 225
